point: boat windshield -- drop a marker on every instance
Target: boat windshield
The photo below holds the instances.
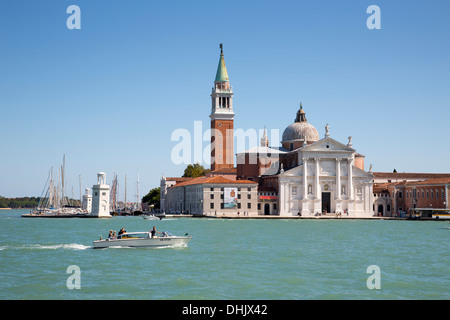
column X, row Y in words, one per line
column 133, row 235
column 166, row 234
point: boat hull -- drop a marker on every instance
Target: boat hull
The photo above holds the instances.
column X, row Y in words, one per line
column 156, row 242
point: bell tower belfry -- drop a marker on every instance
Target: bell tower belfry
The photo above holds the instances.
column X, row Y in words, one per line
column 222, row 117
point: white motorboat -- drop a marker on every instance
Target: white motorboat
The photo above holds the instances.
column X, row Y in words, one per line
column 144, row 239
column 150, row 217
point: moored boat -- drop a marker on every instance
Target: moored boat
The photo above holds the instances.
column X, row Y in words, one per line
column 144, row 240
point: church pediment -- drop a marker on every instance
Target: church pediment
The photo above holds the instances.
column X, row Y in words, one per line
column 294, row 172
column 357, row 172
column 328, row 145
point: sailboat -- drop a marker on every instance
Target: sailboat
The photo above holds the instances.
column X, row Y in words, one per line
column 53, row 201
column 114, row 209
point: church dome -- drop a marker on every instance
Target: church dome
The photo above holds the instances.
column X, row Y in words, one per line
column 300, row 130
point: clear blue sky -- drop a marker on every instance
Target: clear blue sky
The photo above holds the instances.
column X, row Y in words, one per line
column 110, row 95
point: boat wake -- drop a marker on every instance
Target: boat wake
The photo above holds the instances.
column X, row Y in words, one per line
column 69, row 246
column 66, row 246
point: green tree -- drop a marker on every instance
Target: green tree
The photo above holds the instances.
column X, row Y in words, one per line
column 195, row 170
column 153, row 197
column 3, row 202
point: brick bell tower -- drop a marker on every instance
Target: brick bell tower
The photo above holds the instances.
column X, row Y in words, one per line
column 222, row 116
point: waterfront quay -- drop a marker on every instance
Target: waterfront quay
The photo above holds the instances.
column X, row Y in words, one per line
column 275, row 217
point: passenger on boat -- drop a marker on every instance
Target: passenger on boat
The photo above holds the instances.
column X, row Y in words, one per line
column 114, row 234
column 110, row 234
column 153, row 231
column 122, row 231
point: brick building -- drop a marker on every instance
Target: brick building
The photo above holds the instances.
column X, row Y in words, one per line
column 211, row 196
column 396, row 193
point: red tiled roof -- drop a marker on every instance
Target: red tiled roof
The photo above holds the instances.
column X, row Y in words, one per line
column 224, row 170
column 381, row 187
column 431, row 181
column 434, row 181
column 212, row 180
column 409, row 175
column 179, row 179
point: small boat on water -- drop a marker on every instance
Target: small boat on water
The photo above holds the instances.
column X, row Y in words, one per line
column 150, row 217
column 144, row 239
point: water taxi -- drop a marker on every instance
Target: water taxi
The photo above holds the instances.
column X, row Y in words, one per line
column 144, row 239
column 429, row 214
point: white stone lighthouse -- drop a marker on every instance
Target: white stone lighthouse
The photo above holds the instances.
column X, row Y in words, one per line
column 100, row 197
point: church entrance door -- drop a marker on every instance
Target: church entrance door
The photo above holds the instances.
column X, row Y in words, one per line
column 267, row 209
column 326, row 201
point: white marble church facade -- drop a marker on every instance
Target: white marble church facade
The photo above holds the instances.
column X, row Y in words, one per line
column 326, row 181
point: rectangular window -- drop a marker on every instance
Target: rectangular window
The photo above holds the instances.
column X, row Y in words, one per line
column 249, row 205
column 259, row 206
column 294, row 191
column 211, row 196
column 249, row 196
column 211, row 205
column 239, row 205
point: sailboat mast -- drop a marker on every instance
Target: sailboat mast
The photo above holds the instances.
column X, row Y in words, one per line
column 80, row 190
column 138, row 203
column 62, row 181
column 125, row 191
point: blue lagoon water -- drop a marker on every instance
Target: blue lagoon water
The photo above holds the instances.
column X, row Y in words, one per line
column 226, row 259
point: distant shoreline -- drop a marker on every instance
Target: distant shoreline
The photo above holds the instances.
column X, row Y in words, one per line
column 5, row 208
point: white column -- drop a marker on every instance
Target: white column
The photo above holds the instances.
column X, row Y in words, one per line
column 338, row 179
column 305, row 178
column 367, row 199
column 316, row 178
column 446, row 195
column 282, row 198
column 350, row 179
column 288, row 196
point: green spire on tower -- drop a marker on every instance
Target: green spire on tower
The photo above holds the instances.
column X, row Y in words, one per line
column 222, row 74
